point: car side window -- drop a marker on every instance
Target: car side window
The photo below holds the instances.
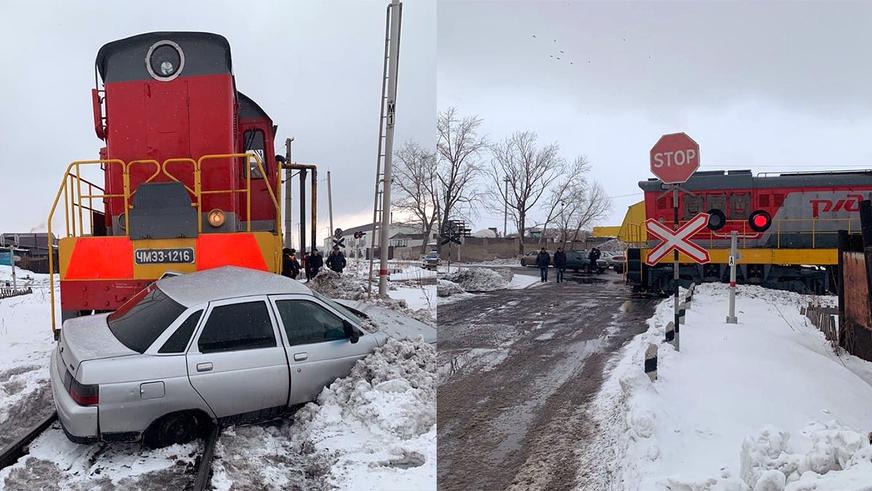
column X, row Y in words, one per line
column 240, row 326
column 307, row 322
column 179, row 339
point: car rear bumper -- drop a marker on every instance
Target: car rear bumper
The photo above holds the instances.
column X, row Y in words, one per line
column 80, row 423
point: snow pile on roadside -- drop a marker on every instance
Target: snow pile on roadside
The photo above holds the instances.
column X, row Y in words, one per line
column 374, row 429
column 713, row 419
column 838, row 458
column 445, row 288
column 380, row 421
column 335, row 285
column 479, row 279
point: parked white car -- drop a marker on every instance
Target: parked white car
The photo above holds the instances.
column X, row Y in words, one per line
column 225, row 345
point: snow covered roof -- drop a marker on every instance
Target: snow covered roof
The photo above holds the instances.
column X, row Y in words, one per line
column 226, row 282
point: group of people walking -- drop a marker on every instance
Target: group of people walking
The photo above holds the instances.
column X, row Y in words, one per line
column 543, row 260
column 311, row 263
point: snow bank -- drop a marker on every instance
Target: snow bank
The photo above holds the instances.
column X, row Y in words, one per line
column 335, row 285
column 375, row 429
column 479, row 279
column 761, row 405
column 445, row 288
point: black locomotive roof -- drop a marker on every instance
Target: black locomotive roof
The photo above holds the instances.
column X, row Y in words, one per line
column 248, row 109
column 205, row 53
column 744, row 179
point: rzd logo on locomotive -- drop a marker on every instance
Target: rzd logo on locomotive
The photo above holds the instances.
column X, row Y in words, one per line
column 850, row 203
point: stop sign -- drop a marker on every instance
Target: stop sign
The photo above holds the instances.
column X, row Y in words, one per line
column 674, row 158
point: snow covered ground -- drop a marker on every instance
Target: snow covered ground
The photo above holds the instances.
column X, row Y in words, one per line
column 763, row 405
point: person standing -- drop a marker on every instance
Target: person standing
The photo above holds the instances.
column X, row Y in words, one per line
column 336, row 260
column 560, row 264
column 286, row 262
column 317, row 262
column 307, row 265
column 295, row 265
column 591, row 260
column 543, row 259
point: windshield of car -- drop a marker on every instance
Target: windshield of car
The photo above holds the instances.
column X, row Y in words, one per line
column 143, row 318
column 339, row 307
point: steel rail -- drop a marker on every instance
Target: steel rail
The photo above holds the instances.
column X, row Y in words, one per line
column 16, row 450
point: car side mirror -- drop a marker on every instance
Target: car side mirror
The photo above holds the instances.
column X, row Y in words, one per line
column 350, row 332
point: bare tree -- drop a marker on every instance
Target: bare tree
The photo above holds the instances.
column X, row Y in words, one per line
column 458, row 149
column 560, row 192
column 583, row 204
column 415, row 181
column 530, row 171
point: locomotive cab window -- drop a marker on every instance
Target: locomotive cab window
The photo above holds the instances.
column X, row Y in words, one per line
column 253, row 141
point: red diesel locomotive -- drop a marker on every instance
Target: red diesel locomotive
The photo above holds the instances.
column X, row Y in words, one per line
column 186, row 180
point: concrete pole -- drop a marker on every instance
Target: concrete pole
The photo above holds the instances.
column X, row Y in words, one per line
column 288, row 208
column 393, row 54
column 330, row 203
column 734, row 258
column 506, row 206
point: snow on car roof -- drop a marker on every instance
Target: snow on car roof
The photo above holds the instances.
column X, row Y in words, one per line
column 226, row 282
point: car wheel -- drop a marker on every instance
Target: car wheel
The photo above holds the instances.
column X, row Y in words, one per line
column 171, row 429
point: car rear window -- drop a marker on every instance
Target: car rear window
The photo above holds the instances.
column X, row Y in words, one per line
column 143, row 318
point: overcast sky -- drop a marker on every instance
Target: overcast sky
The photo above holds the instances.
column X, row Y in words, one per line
column 775, row 86
column 315, row 67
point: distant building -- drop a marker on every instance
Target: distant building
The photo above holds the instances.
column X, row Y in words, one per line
column 401, row 234
column 32, row 244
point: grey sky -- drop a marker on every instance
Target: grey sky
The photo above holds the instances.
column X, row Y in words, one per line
column 775, row 86
column 315, row 67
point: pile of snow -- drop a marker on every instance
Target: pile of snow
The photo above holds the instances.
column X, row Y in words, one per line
column 335, row 285
column 445, row 288
column 375, row 429
column 762, row 405
column 479, row 279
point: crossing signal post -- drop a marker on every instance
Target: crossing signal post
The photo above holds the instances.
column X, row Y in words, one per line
column 674, row 158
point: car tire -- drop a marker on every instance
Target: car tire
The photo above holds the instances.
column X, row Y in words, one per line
column 171, row 429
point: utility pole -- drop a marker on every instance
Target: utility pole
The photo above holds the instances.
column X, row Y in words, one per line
column 506, row 206
column 395, row 10
column 288, row 208
column 330, row 203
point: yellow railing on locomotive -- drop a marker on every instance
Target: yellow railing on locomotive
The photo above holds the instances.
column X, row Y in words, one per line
column 74, row 198
column 76, row 201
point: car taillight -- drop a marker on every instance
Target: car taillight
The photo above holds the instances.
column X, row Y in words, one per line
column 84, row 395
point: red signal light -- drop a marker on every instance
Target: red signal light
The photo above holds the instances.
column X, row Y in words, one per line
column 760, row 221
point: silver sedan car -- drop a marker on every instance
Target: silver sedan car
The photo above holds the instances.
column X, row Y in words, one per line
column 227, row 345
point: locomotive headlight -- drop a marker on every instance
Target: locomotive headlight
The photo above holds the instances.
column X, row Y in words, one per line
column 216, row 218
column 165, row 60
column 166, row 67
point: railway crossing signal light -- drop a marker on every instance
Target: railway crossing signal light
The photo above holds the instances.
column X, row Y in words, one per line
column 717, row 219
column 760, row 221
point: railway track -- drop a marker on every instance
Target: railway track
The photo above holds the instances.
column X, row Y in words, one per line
column 18, row 449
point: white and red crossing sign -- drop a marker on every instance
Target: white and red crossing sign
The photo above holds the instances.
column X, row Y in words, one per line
column 678, row 239
column 674, row 158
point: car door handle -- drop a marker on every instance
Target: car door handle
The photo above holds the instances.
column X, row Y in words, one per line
column 204, row 367
column 301, row 356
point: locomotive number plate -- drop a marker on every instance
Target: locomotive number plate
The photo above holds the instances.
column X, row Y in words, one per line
column 164, row 256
